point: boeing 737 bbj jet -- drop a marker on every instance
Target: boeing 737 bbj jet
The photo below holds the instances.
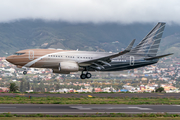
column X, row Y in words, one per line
column 66, row 61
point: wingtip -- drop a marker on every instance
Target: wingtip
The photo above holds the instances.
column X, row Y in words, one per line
column 171, row 53
column 133, row 41
column 129, row 47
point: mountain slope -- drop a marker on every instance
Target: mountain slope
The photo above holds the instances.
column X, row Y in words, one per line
column 27, row 34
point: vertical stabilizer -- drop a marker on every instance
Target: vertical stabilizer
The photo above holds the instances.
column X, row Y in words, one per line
column 149, row 46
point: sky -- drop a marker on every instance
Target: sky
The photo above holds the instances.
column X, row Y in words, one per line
column 95, row 11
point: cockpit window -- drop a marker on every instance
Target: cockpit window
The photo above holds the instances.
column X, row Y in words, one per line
column 19, row 53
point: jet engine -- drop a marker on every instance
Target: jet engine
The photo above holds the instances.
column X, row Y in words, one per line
column 60, row 72
column 67, row 67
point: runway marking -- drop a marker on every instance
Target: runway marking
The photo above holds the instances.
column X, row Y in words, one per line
column 80, row 108
column 89, row 96
column 84, row 112
column 140, row 108
column 176, row 105
column 7, row 107
column 107, row 108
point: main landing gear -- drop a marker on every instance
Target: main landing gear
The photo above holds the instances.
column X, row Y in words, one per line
column 84, row 76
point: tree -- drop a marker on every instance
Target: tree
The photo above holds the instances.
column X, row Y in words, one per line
column 13, row 87
column 23, row 85
column 57, row 86
column 41, row 87
column 161, row 89
column 28, row 86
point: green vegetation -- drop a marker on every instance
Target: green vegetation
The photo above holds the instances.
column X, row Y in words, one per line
column 13, row 87
column 91, row 118
column 96, row 116
column 161, row 89
column 87, row 100
column 24, row 85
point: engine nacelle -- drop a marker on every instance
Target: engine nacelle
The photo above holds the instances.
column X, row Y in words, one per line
column 68, row 67
column 60, row 72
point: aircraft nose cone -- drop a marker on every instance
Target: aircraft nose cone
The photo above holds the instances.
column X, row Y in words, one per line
column 9, row 59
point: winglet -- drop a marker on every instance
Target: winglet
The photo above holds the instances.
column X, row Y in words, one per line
column 130, row 46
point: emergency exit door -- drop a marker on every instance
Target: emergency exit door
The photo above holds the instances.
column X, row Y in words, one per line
column 31, row 55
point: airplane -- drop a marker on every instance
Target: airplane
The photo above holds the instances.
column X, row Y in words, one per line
column 67, row 61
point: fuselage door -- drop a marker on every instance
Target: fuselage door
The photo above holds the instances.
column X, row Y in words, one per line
column 78, row 58
column 131, row 61
column 31, row 55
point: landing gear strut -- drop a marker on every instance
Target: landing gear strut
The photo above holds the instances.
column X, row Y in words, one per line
column 25, row 70
column 84, row 76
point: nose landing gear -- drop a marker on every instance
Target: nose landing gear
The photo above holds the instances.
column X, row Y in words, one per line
column 24, row 72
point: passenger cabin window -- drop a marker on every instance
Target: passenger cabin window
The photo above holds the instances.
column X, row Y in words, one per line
column 19, row 53
column 64, row 56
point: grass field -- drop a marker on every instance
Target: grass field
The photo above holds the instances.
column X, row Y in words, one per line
column 88, row 100
column 90, row 118
column 97, row 116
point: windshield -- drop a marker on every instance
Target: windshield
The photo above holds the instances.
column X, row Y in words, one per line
column 18, row 53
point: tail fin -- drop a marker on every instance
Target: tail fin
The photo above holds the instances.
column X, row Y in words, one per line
column 148, row 47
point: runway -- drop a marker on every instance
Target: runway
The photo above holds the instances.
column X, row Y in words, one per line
column 140, row 95
column 88, row 109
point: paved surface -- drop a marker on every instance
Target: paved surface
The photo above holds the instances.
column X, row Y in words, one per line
column 88, row 109
column 141, row 95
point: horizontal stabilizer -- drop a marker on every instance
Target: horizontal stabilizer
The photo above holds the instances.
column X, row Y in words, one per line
column 157, row 57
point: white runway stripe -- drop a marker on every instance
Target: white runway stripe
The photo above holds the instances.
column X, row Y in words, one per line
column 7, row 107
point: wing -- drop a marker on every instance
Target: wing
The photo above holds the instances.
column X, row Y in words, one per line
column 99, row 62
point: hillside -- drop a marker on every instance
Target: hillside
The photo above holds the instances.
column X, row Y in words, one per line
column 27, row 34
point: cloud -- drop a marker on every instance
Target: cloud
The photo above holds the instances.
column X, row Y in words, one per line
column 96, row 11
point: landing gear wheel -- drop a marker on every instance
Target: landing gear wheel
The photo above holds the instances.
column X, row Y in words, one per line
column 83, row 76
column 88, row 75
column 24, row 72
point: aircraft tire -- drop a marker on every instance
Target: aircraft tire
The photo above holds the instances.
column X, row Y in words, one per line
column 88, row 75
column 24, row 72
column 83, row 76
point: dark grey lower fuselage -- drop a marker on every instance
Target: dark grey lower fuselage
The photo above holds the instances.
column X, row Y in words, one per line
column 128, row 61
column 118, row 66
